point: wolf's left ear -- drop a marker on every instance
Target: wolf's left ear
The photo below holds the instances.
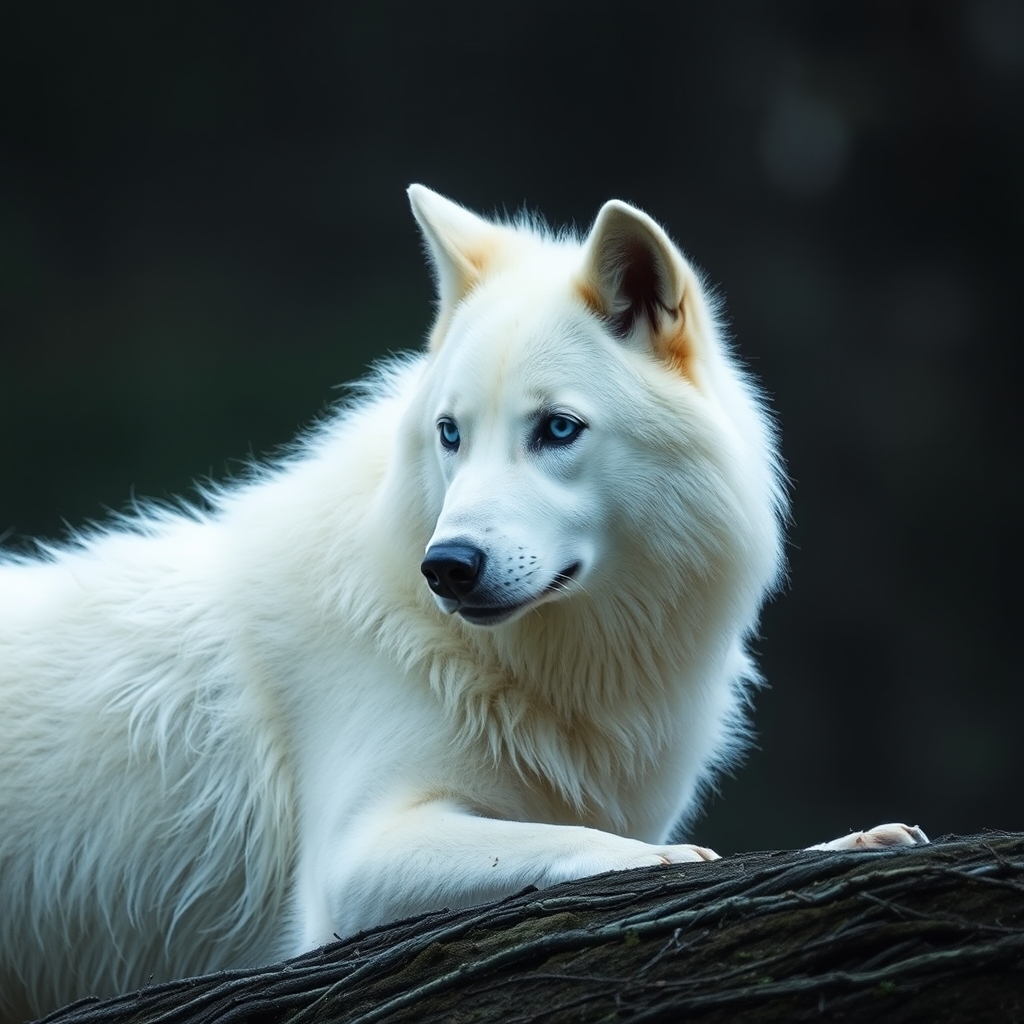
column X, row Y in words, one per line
column 458, row 241
column 636, row 280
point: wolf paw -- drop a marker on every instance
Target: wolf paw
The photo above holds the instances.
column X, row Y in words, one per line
column 624, row 855
column 878, row 838
column 685, row 853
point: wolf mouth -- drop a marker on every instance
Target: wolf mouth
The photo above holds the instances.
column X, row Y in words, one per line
column 492, row 615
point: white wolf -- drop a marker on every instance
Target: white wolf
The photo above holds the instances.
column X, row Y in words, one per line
column 226, row 735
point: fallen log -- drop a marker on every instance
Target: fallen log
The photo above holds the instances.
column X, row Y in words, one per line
column 930, row 933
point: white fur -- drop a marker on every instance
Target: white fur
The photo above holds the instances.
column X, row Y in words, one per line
column 226, row 736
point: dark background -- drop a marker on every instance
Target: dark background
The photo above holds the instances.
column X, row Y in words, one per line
column 203, row 229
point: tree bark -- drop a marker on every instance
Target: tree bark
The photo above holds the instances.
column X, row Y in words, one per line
column 931, row 933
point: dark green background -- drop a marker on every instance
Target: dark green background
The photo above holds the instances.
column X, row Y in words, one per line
column 203, row 229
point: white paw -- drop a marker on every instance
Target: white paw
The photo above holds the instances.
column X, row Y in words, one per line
column 878, row 838
column 624, row 855
column 685, row 853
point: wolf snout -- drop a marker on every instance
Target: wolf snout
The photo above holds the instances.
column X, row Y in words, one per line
column 452, row 570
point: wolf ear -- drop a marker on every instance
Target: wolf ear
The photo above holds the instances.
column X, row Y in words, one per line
column 459, row 243
column 635, row 279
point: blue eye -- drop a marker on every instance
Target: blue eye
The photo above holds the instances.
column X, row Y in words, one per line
column 558, row 430
column 449, row 434
column 561, row 428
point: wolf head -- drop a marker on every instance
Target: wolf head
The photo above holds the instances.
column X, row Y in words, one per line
column 583, row 434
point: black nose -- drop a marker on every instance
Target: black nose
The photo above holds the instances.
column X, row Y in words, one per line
column 452, row 570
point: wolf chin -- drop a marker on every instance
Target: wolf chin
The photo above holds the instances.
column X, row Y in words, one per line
column 483, row 629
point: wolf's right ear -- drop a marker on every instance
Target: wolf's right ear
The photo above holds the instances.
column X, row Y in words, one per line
column 459, row 243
